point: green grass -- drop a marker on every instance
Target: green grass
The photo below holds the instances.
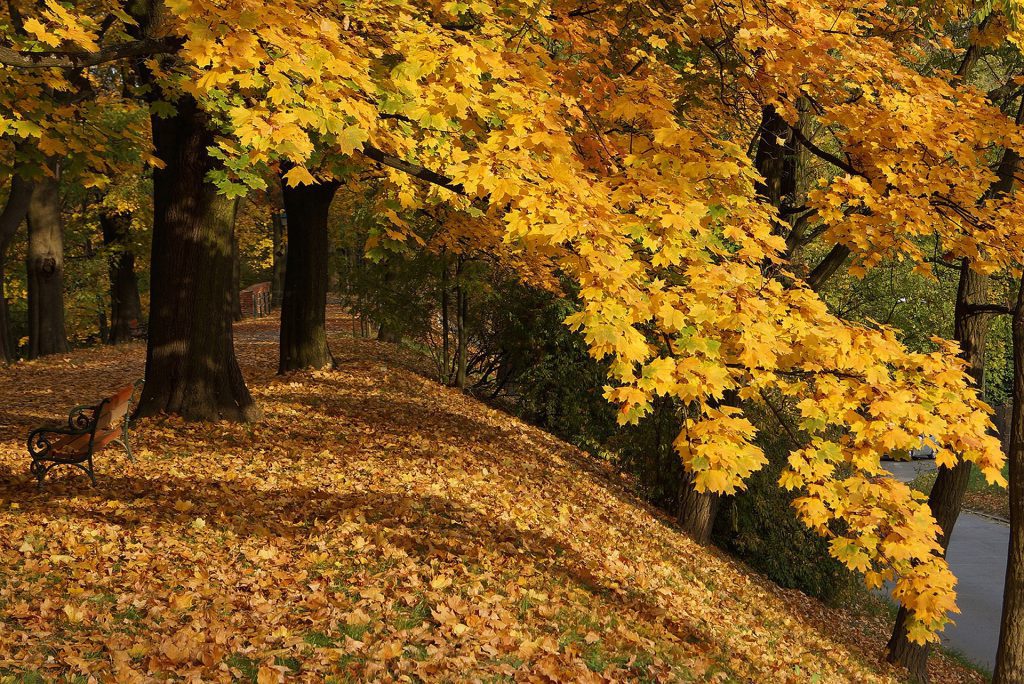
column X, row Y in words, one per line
column 963, row 661
column 246, row 666
column 976, row 485
column 412, row 617
column 319, row 639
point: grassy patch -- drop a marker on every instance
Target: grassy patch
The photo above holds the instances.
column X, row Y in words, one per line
column 980, row 495
column 963, row 661
column 353, row 631
column 411, row 617
column 247, row 668
column 319, row 639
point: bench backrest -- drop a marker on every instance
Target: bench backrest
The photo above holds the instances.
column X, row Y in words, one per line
column 115, row 408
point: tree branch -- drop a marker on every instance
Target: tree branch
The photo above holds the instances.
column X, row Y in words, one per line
column 978, row 309
column 58, row 59
column 827, row 156
column 415, row 170
column 828, row 267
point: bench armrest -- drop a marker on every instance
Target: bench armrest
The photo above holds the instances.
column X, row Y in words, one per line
column 40, row 440
column 82, row 417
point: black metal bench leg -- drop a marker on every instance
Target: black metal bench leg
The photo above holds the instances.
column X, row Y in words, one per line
column 126, row 440
column 38, row 470
column 92, row 476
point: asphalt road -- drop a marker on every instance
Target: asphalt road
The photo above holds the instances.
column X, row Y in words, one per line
column 977, row 556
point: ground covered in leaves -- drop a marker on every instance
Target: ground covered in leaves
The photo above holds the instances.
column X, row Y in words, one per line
column 373, row 527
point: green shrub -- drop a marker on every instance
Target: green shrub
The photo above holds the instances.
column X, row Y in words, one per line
column 760, row 527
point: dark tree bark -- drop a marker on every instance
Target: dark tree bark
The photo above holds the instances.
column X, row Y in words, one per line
column 462, row 343
column 387, row 333
column 236, row 278
column 45, row 268
column 280, row 253
column 13, row 214
column 776, row 160
column 191, row 369
column 827, row 267
column 446, row 363
column 125, row 303
column 387, row 330
column 946, row 496
column 1010, row 654
column 303, row 307
column 697, row 510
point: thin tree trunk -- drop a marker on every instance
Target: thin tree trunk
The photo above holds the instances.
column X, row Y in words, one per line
column 191, row 368
column 125, row 303
column 461, row 308
column 445, row 347
column 45, row 267
column 387, row 331
column 304, row 305
column 13, row 214
column 1010, row 654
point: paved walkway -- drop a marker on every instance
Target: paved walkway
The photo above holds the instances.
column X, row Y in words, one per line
column 906, row 471
column 977, row 556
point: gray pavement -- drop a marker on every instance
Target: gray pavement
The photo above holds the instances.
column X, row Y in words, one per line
column 906, row 471
column 977, row 556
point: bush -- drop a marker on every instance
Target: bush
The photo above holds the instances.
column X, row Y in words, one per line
column 760, row 526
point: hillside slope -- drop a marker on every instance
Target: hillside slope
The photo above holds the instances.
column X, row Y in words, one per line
column 374, row 526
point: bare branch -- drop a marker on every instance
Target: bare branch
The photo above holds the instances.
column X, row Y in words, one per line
column 414, row 170
column 827, row 156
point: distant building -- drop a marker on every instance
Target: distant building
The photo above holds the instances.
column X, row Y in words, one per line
column 255, row 300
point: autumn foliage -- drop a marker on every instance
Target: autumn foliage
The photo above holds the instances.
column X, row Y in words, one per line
column 608, row 142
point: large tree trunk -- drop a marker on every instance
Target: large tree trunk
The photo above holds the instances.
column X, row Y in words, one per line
column 125, row 303
column 236, row 279
column 45, row 267
column 971, row 331
column 191, row 369
column 776, row 160
column 303, row 307
column 1010, row 654
column 445, row 350
column 386, row 332
column 697, row 510
column 280, row 253
column 13, row 214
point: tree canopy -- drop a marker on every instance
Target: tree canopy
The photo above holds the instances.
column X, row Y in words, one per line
column 615, row 143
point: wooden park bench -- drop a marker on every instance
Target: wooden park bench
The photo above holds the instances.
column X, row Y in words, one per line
column 89, row 430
